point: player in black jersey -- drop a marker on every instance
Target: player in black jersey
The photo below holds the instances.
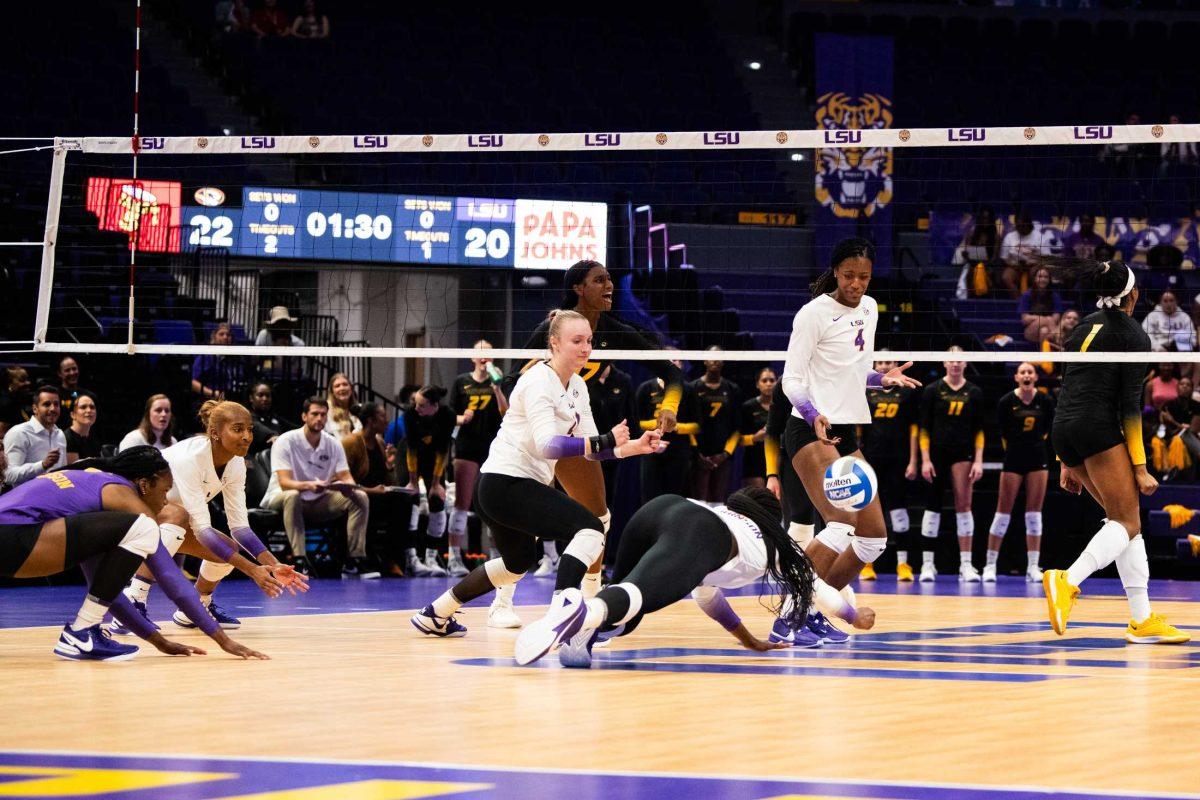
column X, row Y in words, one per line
column 781, row 475
column 951, row 439
column 478, row 405
column 1024, row 415
column 667, row 472
column 1097, row 433
column 428, row 427
column 718, row 401
column 588, row 289
column 890, row 446
column 752, row 424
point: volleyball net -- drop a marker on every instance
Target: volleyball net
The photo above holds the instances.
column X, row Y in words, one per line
column 409, row 249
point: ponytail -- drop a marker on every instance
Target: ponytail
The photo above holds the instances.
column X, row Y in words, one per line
column 787, row 564
column 1110, row 280
column 143, row 461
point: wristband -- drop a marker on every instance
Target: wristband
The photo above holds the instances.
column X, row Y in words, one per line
column 605, row 441
column 809, row 413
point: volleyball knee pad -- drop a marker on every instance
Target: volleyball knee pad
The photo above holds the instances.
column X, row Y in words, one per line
column 436, row 504
column 1033, row 523
column 172, row 537
column 964, row 523
column 899, row 520
column 214, row 572
column 801, row 534
column 437, row 524
column 1133, row 566
column 499, row 574
column 930, row 523
column 836, row 536
column 999, row 525
column 868, row 548
column 606, row 521
column 635, row 601
column 458, row 527
column 221, row 546
column 142, row 537
column 587, row 545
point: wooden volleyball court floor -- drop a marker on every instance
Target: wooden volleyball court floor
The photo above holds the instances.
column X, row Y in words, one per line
column 960, row 691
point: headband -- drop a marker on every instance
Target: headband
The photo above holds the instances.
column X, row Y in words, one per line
column 1115, row 300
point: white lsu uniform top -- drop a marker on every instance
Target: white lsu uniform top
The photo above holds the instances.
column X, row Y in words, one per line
column 829, row 357
column 538, row 410
column 197, row 482
column 750, row 563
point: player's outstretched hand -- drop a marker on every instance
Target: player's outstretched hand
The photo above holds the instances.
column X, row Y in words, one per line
column 620, row 433
column 896, row 377
column 170, row 648
column 751, row 642
column 266, row 581
column 241, row 651
column 666, row 420
column 648, row 443
column 821, row 428
column 288, row 578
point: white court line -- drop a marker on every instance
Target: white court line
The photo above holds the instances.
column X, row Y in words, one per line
column 616, row 773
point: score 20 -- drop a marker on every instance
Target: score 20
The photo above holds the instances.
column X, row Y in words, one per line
column 555, row 234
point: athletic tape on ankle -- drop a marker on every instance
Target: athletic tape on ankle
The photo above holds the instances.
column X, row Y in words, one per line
column 221, row 546
column 836, row 536
column 868, row 549
column 142, row 538
column 248, row 540
column 499, row 575
column 635, row 601
column 211, row 571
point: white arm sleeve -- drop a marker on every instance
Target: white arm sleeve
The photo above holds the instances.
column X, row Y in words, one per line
column 539, row 415
column 191, row 495
column 235, row 497
column 799, row 353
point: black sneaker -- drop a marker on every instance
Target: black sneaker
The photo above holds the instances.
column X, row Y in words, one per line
column 359, row 568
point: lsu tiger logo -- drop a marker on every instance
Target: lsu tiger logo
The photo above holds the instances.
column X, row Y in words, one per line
column 853, row 182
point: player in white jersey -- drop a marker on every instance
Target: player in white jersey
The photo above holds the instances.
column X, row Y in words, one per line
column 828, row 364
column 674, row 547
column 549, row 418
column 203, row 467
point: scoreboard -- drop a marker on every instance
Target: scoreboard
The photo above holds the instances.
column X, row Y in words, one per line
column 325, row 225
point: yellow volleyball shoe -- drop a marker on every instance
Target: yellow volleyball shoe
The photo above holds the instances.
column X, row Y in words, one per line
column 1060, row 598
column 1155, row 630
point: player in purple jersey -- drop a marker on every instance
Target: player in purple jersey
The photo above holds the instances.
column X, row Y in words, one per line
column 136, row 482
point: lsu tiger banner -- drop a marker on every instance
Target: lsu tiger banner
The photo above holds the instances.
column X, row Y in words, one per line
column 853, row 181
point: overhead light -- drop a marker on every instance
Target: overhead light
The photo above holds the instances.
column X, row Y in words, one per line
column 226, row 131
column 797, row 156
column 754, row 65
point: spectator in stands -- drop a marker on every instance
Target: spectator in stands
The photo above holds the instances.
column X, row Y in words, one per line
column 1040, row 308
column 1122, row 154
column 68, row 388
column 1161, row 389
column 213, row 375
column 37, row 445
column 310, row 23
column 1164, row 255
column 267, row 425
column 279, row 331
column 342, row 399
column 1083, row 242
column 311, row 482
column 1181, row 417
column 16, row 404
column 80, row 441
column 156, row 428
column 232, row 16
column 366, row 456
column 1019, row 251
column 1174, row 154
column 980, row 246
column 269, row 21
column 1170, row 328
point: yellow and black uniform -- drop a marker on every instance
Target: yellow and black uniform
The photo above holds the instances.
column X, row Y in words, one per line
column 718, row 406
column 1024, row 429
column 752, row 418
column 1100, row 405
column 611, row 333
column 886, row 441
column 474, row 437
column 612, row 401
column 667, row 472
column 951, row 427
column 428, row 440
column 797, row 505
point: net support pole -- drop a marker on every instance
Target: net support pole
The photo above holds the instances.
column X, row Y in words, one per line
column 58, row 166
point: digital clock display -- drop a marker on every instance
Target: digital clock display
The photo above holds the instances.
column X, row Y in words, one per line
column 410, row 229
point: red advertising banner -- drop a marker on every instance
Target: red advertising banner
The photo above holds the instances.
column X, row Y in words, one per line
column 151, row 209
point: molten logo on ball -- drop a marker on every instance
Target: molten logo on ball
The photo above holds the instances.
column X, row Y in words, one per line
column 850, row 483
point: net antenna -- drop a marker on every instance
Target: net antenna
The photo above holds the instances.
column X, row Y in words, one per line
column 496, row 144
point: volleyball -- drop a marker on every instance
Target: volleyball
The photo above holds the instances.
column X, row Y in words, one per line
column 850, row 483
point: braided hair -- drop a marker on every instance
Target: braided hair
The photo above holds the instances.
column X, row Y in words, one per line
column 143, row 461
column 787, row 564
column 1107, row 279
column 854, row 247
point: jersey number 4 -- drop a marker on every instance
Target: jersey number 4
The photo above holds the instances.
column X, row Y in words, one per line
column 859, row 340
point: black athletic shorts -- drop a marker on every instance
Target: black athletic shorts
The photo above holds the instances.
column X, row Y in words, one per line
column 1075, row 441
column 16, row 543
column 799, row 433
column 1024, row 460
column 472, row 449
